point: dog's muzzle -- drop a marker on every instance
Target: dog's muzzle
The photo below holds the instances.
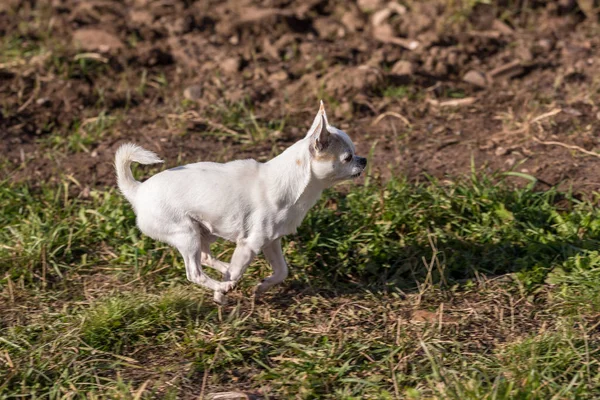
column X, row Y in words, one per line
column 362, row 163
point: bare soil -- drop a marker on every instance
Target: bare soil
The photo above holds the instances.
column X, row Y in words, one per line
column 427, row 87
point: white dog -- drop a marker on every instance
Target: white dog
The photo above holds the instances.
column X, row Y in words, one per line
column 250, row 203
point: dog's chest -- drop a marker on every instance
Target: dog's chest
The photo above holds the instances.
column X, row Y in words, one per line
column 289, row 219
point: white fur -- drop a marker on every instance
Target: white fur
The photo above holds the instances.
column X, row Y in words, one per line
column 246, row 202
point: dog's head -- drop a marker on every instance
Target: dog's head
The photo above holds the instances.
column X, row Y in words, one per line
column 332, row 153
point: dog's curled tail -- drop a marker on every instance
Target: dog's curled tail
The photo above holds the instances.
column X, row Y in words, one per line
column 126, row 154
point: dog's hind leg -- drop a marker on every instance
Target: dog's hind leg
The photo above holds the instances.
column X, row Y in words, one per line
column 210, row 261
column 207, row 258
column 190, row 249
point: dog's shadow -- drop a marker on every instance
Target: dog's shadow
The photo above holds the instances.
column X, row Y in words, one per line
column 452, row 262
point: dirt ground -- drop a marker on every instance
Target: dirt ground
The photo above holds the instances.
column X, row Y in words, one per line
column 426, row 87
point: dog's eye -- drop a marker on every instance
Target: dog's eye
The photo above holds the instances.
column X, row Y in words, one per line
column 348, row 158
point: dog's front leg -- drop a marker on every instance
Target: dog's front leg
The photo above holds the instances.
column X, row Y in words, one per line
column 274, row 256
column 242, row 257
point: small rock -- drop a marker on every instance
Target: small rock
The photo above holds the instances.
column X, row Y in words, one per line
column 402, row 68
column 42, row 101
column 476, row 78
column 500, row 151
column 193, row 92
column 545, row 44
column 278, row 76
column 369, row 5
column 91, row 39
column 231, row 65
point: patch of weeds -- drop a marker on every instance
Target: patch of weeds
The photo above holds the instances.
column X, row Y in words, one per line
column 396, row 92
column 83, row 135
column 392, row 234
column 578, row 282
column 393, row 91
column 454, row 93
column 157, row 81
column 48, row 236
column 119, row 323
column 15, row 49
column 562, row 364
column 240, row 117
column 87, row 68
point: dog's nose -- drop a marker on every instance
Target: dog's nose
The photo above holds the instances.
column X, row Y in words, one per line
column 361, row 161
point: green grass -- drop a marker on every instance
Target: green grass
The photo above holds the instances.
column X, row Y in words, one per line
column 467, row 290
column 398, row 92
column 240, row 117
column 82, row 136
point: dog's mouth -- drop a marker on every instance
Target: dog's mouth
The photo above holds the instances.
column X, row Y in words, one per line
column 356, row 175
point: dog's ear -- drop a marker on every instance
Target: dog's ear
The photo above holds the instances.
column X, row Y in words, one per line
column 318, row 131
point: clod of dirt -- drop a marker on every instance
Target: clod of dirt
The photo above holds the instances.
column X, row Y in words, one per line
column 542, row 46
column 341, row 81
column 269, row 49
column 476, row 78
column 402, row 68
column 182, row 25
column 90, row 39
column 231, row 65
column 141, row 17
column 353, row 21
column 501, row 27
column 369, row 5
column 329, row 29
column 278, row 78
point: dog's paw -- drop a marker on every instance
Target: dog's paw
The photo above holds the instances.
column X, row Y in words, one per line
column 226, row 286
column 261, row 288
column 220, row 298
